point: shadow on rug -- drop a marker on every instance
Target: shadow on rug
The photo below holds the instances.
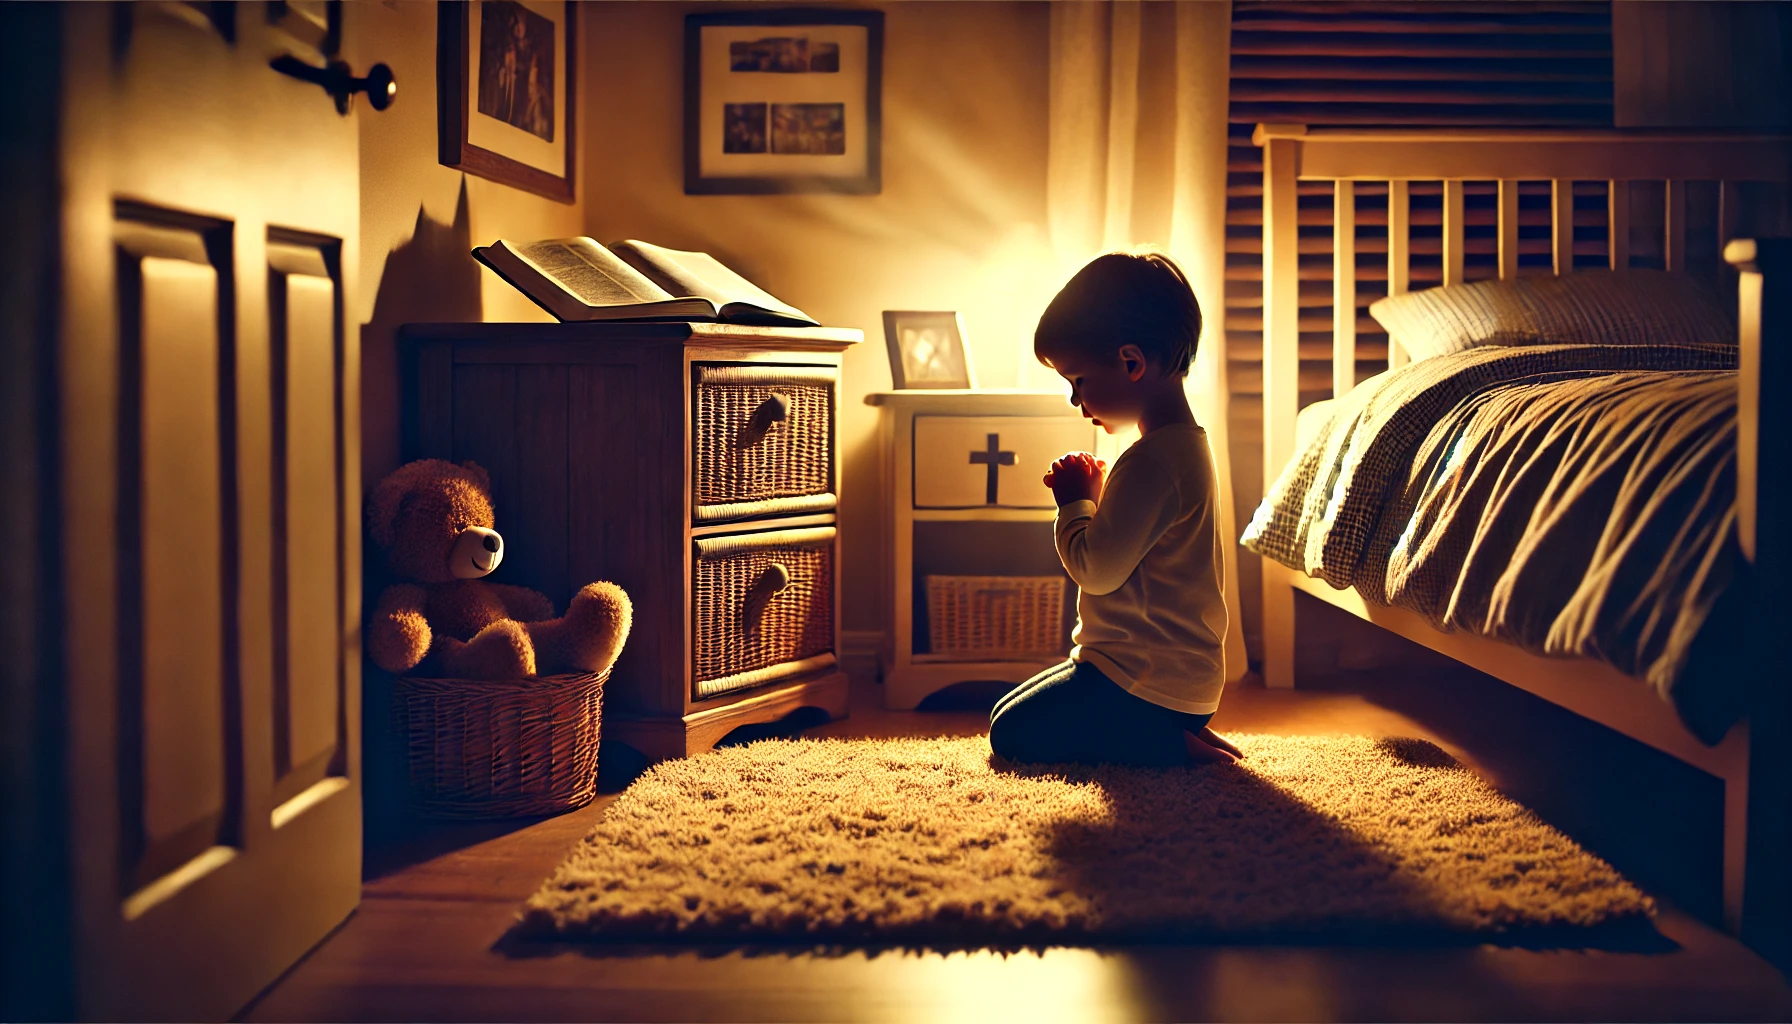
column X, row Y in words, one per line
column 936, row 843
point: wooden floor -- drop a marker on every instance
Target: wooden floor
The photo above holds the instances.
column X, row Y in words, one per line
column 428, row 941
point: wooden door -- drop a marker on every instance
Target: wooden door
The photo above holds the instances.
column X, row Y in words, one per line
column 208, row 501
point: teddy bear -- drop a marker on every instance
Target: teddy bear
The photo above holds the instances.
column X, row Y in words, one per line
column 433, row 519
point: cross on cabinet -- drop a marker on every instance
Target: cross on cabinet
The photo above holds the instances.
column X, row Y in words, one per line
column 995, row 459
column 975, row 590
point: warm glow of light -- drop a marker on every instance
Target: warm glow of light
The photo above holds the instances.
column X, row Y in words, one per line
column 1081, row 985
column 1017, row 278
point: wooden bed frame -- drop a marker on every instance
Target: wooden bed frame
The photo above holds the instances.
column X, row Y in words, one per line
column 1753, row 760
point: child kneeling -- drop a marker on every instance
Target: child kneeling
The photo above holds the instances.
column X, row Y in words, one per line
column 1148, row 665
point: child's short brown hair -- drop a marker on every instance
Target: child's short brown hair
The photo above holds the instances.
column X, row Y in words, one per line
column 1120, row 298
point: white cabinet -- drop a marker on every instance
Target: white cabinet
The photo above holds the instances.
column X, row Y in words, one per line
column 964, row 474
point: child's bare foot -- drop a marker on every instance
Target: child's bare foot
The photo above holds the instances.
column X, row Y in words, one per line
column 1214, row 739
column 1207, row 748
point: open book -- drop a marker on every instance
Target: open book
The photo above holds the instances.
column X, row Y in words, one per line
column 580, row 279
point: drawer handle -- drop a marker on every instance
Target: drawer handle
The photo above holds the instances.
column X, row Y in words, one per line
column 770, row 411
column 775, row 578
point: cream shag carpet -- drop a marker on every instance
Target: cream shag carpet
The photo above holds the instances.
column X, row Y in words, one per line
column 933, row 840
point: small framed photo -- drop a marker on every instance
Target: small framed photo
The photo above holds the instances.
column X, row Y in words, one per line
column 505, row 92
column 927, row 350
column 783, row 101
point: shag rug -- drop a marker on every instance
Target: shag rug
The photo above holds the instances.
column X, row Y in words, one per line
column 935, row 841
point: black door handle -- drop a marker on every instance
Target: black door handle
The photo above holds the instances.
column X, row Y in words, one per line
column 339, row 81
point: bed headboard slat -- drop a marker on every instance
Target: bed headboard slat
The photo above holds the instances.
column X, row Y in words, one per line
column 1508, row 228
column 1561, row 205
column 1399, row 255
column 1454, row 231
column 1728, row 213
column 1617, row 212
column 1343, row 287
column 1674, row 228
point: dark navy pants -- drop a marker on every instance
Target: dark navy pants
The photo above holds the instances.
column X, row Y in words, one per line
column 1072, row 712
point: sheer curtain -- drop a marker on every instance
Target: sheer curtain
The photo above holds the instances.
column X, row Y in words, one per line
column 1138, row 156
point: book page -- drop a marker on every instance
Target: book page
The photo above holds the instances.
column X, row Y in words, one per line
column 590, row 272
column 702, row 275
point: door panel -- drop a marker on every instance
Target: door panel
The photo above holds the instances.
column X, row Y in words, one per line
column 209, row 492
column 304, row 302
column 174, row 721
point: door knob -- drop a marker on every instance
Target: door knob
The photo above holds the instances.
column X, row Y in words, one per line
column 337, row 80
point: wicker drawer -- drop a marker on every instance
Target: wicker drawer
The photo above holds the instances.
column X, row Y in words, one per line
column 764, row 608
column 762, row 441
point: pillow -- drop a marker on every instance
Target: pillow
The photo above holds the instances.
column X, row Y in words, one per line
column 1601, row 307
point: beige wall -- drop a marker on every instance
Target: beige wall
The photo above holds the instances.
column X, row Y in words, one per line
column 959, row 224
column 419, row 220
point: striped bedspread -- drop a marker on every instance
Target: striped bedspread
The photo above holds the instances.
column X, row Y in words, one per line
column 1576, row 500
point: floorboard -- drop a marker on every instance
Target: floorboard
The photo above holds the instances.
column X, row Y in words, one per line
column 428, row 942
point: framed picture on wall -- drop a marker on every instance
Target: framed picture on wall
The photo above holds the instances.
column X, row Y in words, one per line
column 506, row 87
column 783, row 101
column 927, row 350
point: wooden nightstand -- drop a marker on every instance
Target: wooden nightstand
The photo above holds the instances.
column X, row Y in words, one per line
column 693, row 464
column 963, row 471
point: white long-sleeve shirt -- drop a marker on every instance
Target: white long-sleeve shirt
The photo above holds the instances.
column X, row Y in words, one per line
column 1151, row 614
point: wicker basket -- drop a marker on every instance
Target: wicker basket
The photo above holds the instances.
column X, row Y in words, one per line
column 992, row 618
column 482, row 748
column 764, row 434
column 763, row 608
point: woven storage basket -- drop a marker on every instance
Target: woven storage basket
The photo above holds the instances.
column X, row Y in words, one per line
column 741, row 638
column 763, row 434
column 484, row 748
column 996, row 617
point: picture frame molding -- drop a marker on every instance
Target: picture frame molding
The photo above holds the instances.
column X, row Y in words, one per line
column 869, row 184
column 453, row 65
column 892, row 345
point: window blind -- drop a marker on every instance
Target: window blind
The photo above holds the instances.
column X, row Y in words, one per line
column 1410, row 65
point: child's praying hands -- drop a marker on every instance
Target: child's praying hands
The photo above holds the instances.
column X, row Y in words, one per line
column 1076, row 476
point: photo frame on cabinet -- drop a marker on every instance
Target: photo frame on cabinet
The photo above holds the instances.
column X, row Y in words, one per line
column 783, row 101
column 927, row 350
column 506, row 92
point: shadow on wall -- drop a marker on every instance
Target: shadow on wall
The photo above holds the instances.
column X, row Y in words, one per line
column 432, row 277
